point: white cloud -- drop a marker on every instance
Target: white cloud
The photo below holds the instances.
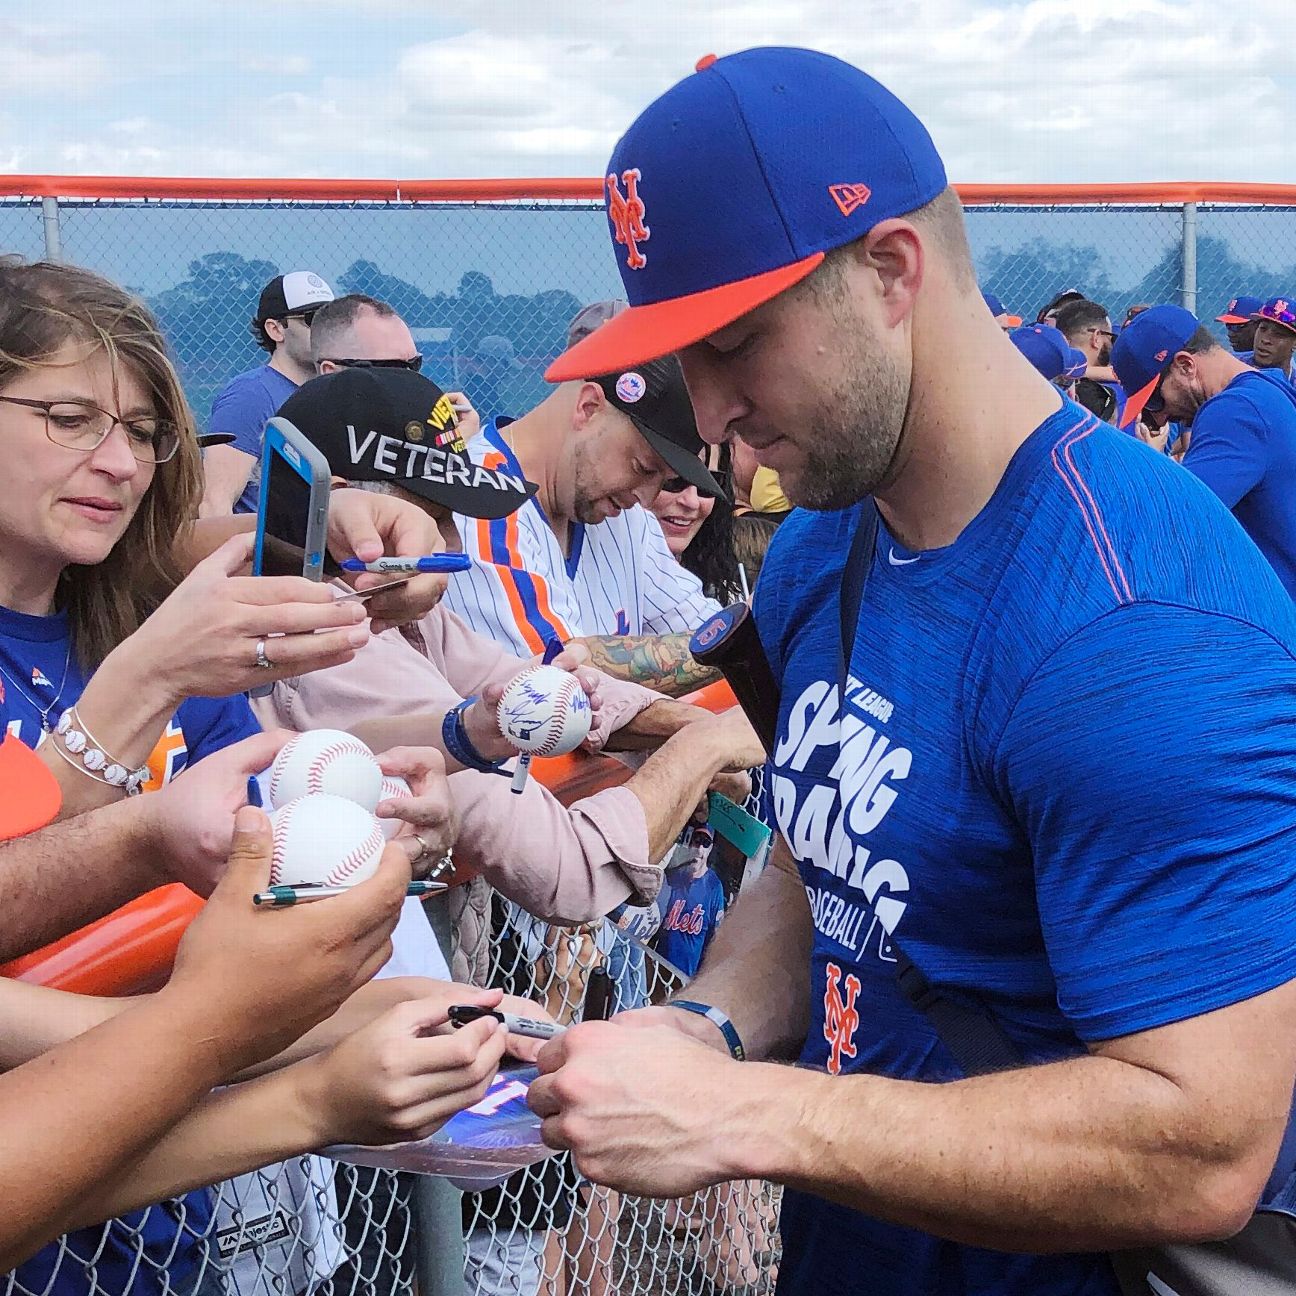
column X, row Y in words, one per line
column 1047, row 90
column 40, row 60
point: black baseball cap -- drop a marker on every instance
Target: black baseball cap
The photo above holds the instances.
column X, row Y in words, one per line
column 292, row 294
column 392, row 425
column 654, row 398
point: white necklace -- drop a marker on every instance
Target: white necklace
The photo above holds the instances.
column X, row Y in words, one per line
column 44, row 711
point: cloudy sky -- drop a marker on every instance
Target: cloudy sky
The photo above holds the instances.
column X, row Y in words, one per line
column 1012, row 90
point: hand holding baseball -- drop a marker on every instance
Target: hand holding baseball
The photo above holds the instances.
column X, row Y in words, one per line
column 483, row 719
column 282, row 972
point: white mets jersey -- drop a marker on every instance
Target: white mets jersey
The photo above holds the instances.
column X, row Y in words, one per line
column 522, row 591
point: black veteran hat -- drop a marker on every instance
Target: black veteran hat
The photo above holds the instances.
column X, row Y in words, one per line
column 391, row 425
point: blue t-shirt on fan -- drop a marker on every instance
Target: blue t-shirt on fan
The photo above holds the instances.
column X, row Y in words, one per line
column 241, row 409
column 692, row 909
column 42, row 675
column 1244, row 448
column 1010, row 701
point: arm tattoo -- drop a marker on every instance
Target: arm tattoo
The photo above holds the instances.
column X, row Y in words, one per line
column 661, row 662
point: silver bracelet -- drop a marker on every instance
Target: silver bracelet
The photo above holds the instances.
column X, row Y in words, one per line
column 93, row 760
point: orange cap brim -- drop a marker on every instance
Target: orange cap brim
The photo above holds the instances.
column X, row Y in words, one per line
column 1134, row 404
column 1234, row 319
column 30, row 796
column 649, row 332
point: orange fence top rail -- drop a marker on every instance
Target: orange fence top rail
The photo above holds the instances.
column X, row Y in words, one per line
column 497, row 190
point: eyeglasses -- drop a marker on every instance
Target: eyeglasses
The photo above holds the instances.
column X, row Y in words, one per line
column 74, row 425
column 1107, row 333
column 305, row 316
column 678, row 485
column 414, row 363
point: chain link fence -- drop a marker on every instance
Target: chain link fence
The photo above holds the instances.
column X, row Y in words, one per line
column 315, row 1226
column 489, row 287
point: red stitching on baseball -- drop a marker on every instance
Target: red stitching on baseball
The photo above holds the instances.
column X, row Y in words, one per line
column 283, row 818
column 318, row 763
column 349, row 863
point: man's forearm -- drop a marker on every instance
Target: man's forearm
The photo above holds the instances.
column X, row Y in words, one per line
column 673, row 780
column 1090, row 1154
column 654, row 724
column 757, row 968
column 73, row 872
column 660, row 662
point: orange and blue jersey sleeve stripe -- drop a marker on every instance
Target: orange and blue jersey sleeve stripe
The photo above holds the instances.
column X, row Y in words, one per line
column 527, row 592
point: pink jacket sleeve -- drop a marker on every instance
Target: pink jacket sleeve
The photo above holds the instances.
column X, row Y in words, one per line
column 472, row 661
column 562, row 863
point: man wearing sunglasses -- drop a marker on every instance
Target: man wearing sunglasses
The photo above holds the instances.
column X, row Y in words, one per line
column 281, row 326
column 1243, row 422
column 1087, row 327
column 359, row 332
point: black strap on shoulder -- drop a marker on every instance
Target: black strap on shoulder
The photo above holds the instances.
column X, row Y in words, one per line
column 973, row 1038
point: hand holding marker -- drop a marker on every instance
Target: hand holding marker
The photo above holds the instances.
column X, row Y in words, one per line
column 440, row 564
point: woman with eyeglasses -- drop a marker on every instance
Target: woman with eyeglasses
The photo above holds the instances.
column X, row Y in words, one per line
column 121, row 672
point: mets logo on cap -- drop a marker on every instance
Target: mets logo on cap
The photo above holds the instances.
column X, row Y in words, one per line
column 626, row 212
column 630, row 387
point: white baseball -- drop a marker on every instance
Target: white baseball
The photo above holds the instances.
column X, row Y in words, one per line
column 545, row 712
column 324, row 839
column 394, row 788
column 326, row 760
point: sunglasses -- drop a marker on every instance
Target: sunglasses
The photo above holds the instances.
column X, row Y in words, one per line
column 678, row 485
column 413, row 363
column 305, row 316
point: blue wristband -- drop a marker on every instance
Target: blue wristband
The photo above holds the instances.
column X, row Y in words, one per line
column 716, row 1018
column 455, row 737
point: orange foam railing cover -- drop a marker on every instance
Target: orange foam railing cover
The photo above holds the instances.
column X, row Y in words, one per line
column 131, row 950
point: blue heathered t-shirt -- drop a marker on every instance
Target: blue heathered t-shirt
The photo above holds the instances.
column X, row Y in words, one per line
column 692, row 910
column 1011, row 701
column 154, row 1251
column 243, row 407
column 1244, row 448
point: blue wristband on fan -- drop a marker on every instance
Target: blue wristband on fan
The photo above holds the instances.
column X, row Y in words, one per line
column 716, row 1018
column 455, row 737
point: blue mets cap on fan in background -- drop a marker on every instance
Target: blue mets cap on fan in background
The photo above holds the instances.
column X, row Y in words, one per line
column 1048, row 351
column 732, row 185
column 1241, row 310
column 1144, row 351
column 29, row 794
column 1279, row 310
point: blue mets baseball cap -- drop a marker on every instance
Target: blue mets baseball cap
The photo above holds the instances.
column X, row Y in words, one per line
column 1279, row 310
column 732, row 185
column 1241, row 310
column 1048, row 351
column 1146, row 349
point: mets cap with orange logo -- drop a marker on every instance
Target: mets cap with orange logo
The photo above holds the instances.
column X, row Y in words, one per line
column 732, row 185
column 29, row 794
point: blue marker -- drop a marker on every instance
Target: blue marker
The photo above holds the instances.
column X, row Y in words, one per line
column 442, row 563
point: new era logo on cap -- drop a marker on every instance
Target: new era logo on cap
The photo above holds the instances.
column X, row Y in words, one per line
column 849, row 197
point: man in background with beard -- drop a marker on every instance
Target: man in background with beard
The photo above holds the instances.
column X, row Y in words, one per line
column 1087, row 327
